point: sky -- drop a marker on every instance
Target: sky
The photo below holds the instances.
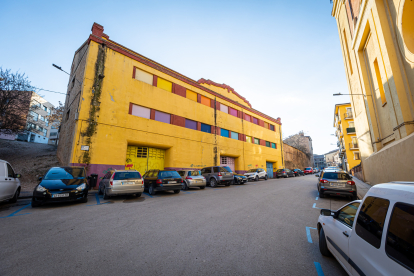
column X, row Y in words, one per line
column 283, row 56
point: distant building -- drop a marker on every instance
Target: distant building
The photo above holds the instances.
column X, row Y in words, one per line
column 54, row 135
column 302, row 143
column 331, row 158
column 319, row 161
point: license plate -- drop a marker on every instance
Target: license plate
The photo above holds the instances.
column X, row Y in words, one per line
column 127, row 183
column 60, row 195
column 171, row 182
column 340, row 185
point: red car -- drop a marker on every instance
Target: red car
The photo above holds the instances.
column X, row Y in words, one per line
column 308, row 170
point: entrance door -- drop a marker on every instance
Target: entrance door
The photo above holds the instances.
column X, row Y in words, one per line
column 269, row 169
column 144, row 159
column 227, row 161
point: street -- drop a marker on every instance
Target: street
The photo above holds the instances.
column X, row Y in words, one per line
column 260, row 228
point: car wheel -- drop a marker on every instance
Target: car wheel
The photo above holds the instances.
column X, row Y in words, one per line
column 177, row 191
column 323, row 247
column 213, row 183
column 321, row 194
column 286, row 176
column 257, row 178
column 84, row 199
column 16, row 195
column 151, row 190
column 202, row 187
column 277, row 176
column 35, row 203
column 100, row 190
column 138, row 194
column 266, row 177
column 185, row 186
column 105, row 195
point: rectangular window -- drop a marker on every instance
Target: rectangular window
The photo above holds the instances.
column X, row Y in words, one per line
column 351, row 124
column 39, row 128
column 267, row 144
column 205, row 101
column 164, row 84
column 190, row 124
column 247, row 117
column 143, row 76
column 273, row 145
column 46, row 122
column 255, row 121
column 379, row 82
column 224, row 133
column 224, row 108
column 233, row 111
column 256, row 141
column 234, row 135
column 141, row 111
column 162, row 117
column 34, row 115
column 205, row 128
column 41, row 118
column 399, row 244
column 191, row 95
column 272, row 127
column 248, row 139
column 266, row 125
column 45, row 132
column 371, row 218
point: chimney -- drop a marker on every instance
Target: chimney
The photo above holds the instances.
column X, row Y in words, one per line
column 97, row 30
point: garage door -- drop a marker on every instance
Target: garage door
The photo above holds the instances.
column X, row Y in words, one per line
column 269, row 169
column 227, row 161
column 144, row 159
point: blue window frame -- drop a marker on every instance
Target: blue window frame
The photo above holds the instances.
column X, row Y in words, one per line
column 234, row 135
column 205, row 128
column 224, row 133
column 267, row 144
column 273, row 145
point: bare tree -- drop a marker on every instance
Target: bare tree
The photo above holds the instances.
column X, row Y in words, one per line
column 15, row 96
column 298, row 141
column 56, row 115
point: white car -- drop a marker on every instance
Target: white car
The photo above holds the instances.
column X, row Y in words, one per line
column 380, row 241
column 9, row 182
column 256, row 174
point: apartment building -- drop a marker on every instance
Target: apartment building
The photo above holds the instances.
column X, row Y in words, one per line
column 130, row 112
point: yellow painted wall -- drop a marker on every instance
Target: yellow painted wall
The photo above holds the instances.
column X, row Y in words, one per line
column 184, row 148
column 226, row 93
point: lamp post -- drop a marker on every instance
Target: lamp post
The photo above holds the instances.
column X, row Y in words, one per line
column 340, row 94
column 60, row 68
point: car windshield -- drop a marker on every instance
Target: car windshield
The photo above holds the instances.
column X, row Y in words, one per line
column 336, row 176
column 169, row 174
column 228, row 168
column 252, row 170
column 194, row 173
column 65, row 173
column 127, row 175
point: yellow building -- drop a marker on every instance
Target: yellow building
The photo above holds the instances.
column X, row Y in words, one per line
column 377, row 41
column 347, row 139
column 124, row 110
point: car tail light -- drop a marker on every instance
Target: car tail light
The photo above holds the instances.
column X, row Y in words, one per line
column 182, row 180
column 188, row 177
column 351, row 182
column 323, row 181
column 111, row 180
column 219, row 174
column 159, row 181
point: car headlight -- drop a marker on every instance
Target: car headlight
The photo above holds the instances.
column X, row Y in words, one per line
column 81, row 187
column 40, row 188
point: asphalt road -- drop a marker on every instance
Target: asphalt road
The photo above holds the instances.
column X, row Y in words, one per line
column 254, row 229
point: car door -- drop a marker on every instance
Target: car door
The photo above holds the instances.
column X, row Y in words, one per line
column 206, row 172
column 10, row 183
column 338, row 231
column 4, row 181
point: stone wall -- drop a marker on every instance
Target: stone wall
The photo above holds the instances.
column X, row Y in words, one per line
column 294, row 158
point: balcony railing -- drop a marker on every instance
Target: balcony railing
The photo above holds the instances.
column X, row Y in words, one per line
column 348, row 115
column 350, row 130
column 353, row 146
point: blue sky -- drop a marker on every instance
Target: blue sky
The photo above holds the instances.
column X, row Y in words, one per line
column 283, row 56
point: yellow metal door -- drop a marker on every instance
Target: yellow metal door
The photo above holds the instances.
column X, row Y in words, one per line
column 144, row 159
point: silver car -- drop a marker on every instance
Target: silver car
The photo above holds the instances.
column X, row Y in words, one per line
column 336, row 182
column 117, row 182
column 192, row 179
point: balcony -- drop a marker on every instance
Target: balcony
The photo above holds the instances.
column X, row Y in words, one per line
column 350, row 130
column 348, row 115
column 357, row 157
column 353, row 146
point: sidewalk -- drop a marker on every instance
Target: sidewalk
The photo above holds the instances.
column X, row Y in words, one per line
column 362, row 187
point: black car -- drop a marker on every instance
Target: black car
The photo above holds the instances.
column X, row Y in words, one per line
column 61, row 184
column 162, row 180
column 237, row 178
column 298, row 172
column 284, row 173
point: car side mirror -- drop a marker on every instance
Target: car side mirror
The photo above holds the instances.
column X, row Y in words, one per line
column 40, row 178
column 326, row 212
column 18, row 175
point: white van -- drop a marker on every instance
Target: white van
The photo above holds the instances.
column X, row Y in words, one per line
column 373, row 236
column 9, row 182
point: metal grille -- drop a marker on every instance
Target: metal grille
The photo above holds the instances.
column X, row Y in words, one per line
column 142, row 152
column 156, row 153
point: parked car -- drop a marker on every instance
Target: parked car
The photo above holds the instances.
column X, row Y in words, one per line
column 298, row 172
column 284, row 173
column 256, row 174
column 315, row 170
column 308, row 170
column 216, row 175
column 9, row 182
column 121, row 182
column 336, row 182
column 373, row 236
column 192, row 179
column 162, row 180
column 61, row 184
column 238, row 179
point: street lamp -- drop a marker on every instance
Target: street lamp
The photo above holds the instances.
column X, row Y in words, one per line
column 60, row 68
column 340, row 94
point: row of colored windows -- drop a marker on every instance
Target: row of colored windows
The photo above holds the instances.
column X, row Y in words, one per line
column 145, row 112
column 168, row 86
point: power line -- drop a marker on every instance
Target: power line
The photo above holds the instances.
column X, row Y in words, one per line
column 41, row 89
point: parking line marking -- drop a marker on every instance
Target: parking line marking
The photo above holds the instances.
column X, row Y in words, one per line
column 187, row 192
column 13, row 214
column 317, row 198
column 319, row 269
column 98, row 202
column 308, row 234
column 314, row 206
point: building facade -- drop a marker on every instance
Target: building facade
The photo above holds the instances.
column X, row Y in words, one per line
column 295, row 158
column 378, row 51
column 319, row 161
column 303, row 143
column 345, row 131
column 125, row 111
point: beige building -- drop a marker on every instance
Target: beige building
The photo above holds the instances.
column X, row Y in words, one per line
column 377, row 41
